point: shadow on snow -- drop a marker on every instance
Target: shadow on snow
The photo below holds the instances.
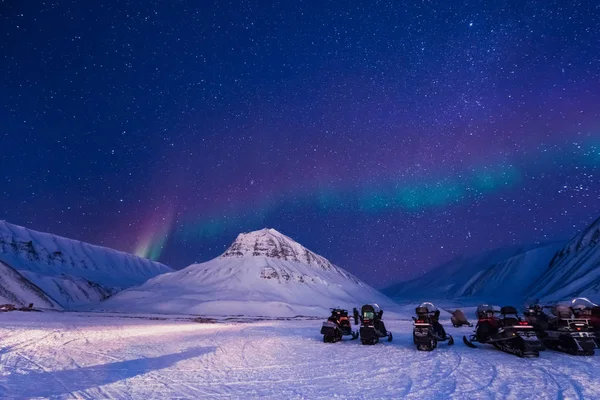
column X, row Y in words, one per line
column 56, row 383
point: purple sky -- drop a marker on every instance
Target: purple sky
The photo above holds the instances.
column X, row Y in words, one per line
column 388, row 138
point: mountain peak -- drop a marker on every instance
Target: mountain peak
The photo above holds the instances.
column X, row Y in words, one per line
column 268, row 242
column 263, row 273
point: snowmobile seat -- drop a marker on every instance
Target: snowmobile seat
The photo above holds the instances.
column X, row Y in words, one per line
column 508, row 310
column 345, row 322
column 509, row 316
column 563, row 312
column 582, row 312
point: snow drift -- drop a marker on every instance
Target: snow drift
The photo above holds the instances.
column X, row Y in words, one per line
column 263, row 273
column 71, row 272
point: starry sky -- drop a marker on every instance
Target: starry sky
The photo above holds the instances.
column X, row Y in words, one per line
column 387, row 136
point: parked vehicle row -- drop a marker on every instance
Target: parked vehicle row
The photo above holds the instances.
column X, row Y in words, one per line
column 572, row 328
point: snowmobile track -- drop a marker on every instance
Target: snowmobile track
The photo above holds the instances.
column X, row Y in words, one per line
column 42, row 368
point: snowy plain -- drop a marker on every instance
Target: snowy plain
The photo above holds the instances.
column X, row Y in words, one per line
column 96, row 355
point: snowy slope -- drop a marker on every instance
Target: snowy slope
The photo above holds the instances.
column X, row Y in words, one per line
column 547, row 273
column 75, row 356
column 503, row 275
column 263, row 273
column 15, row 289
column 574, row 270
column 69, row 271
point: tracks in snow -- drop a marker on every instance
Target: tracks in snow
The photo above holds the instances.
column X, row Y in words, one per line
column 115, row 358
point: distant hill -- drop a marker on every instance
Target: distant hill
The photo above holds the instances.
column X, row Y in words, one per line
column 550, row 272
column 71, row 272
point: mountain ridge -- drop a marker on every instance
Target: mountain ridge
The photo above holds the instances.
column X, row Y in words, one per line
column 69, row 271
column 548, row 272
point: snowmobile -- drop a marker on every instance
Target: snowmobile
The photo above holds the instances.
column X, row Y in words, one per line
column 585, row 309
column 507, row 332
column 371, row 326
column 428, row 331
column 458, row 319
column 337, row 325
column 567, row 330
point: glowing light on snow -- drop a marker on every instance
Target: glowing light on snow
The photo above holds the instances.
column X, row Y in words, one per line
column 145, row 330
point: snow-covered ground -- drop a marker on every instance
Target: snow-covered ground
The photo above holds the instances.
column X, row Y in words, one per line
column 77, row 355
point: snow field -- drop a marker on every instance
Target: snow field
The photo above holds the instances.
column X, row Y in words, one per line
column 77, row 355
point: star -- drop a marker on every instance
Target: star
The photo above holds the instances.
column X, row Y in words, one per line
column 387, row 138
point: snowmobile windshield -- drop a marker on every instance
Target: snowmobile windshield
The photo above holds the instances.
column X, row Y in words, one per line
column 582, row 303
column 429, row 306
column 370, row 315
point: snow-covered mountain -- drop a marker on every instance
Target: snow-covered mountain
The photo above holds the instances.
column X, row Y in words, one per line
column 15, row 289
column 71, row 272
column 549, row 273
column 574, row 270
column 263, row 273
column 503, row 274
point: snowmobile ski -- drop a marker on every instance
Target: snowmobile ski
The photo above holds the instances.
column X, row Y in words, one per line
column 469, row 343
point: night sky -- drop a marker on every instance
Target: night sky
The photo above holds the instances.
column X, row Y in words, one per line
column 387, row 136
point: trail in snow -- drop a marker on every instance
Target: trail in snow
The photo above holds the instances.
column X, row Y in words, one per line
column 67, row 355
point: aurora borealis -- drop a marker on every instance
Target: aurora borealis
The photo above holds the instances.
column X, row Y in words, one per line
column 388, row 136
